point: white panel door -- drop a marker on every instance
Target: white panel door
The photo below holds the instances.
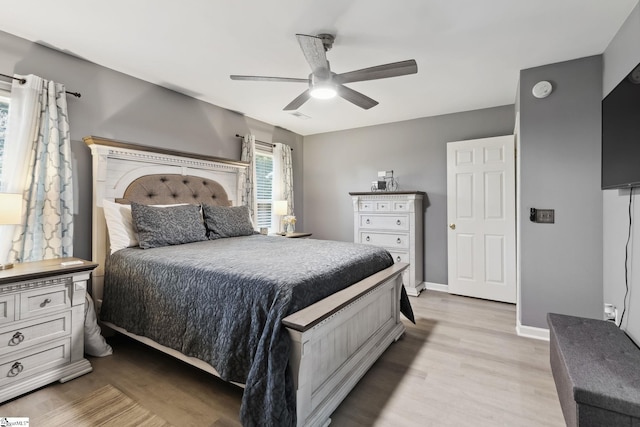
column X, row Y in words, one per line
column 481, row 214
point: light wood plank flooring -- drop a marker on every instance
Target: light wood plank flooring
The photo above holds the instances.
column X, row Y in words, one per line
column 461, row 365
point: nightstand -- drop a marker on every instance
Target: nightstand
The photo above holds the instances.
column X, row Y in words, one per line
column 42, row 324
column 296, row 235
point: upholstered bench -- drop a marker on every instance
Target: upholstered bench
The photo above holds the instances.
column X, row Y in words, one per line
column 596, row 368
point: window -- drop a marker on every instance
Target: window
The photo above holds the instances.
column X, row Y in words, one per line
column 264, row 188
column 4, row 117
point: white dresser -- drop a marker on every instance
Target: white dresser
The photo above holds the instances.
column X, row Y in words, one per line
column 42, row 324
column 393, row 220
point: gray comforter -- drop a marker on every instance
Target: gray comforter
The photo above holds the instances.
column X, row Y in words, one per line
column 223, row 301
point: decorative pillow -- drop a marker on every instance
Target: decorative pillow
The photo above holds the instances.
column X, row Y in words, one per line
column 173, row 225
column 119, row 225
column 224, row 221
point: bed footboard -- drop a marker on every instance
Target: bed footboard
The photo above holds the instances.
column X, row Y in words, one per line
column 336, row 340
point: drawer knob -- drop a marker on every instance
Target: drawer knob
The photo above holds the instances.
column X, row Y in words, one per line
column 368, row 221
column 16, row 339
column 367, row 238
column 16, row 368
column 45, row 302
column 398, row 222
column 398, row 258
column 398, row 241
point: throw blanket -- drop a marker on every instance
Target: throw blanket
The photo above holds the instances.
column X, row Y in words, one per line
column 223, row 302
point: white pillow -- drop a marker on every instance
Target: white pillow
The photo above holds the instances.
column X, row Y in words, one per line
column 120, row 225
column 122, row 234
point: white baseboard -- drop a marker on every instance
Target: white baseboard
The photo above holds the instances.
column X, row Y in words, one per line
column 532, row 332
column 436, row 287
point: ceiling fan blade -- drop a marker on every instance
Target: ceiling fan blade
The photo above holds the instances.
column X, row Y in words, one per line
column 355, row 97
column 313, row 50
column 268, row 79
column 394, row 69
column 297, row 103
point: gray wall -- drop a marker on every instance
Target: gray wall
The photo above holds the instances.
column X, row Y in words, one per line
column 622, row 54
column 561, row 263
column 118, row 106
column 339, row 162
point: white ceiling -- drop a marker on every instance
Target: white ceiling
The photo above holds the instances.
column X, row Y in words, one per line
column 469, row 52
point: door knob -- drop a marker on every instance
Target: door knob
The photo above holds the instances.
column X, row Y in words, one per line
column 452, row 226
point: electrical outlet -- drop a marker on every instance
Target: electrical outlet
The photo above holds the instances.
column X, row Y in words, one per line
column 611, row 313
column 545, row 216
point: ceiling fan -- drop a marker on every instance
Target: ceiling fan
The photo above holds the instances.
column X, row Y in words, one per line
column 324, row 84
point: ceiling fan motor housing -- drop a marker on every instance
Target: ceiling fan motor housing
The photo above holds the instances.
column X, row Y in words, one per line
column 327, row 41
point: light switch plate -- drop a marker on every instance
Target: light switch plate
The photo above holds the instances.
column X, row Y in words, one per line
column 545, row 216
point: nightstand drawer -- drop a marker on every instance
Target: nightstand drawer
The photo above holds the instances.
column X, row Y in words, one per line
column 400, row 256
column 386, row 240
column 386, row 222
column 7, row 308
column 42, row 301
column 21, row 335
column 18, row 366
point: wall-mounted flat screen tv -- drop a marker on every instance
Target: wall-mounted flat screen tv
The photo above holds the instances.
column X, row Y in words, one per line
column 621, row 134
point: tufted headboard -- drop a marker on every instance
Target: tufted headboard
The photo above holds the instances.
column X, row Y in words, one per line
column 164, row 189
column 151, row 175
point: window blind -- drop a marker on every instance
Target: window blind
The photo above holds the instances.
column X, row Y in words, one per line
column 264, row 188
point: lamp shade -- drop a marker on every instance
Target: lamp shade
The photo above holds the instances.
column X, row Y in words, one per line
column 10, row 208
column 280, row 207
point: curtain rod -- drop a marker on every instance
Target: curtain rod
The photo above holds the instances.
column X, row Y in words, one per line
column 261, row 142
column 23, row 81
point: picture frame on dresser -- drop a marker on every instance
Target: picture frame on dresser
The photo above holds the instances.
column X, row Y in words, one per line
column 393, row 220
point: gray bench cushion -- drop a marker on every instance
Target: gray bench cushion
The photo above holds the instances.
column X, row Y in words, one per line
column 595, row 364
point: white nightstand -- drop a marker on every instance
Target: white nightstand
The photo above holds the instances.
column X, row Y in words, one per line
column 296, row 235
column 42, row 324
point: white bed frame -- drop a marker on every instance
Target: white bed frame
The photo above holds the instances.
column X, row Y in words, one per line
column 335, row 341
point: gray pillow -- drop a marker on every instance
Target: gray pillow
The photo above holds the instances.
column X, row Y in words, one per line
column 225, row 221
column 173, row 225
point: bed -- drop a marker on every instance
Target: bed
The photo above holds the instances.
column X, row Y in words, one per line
column 320, row 338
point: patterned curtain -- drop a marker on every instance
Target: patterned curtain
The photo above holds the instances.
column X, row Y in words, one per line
column 247, row 177
column 42, row 170
column 283, row 175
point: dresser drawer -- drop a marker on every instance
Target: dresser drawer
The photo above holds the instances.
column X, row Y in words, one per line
column 21, row 335
column 18, row 366
column 383, row 206
column 376, row 205
column 7, row 308
column 42, row 301
column 368, row 205
column 400, row 206
column 400, row 256
column 386, row 222
column 389, row 240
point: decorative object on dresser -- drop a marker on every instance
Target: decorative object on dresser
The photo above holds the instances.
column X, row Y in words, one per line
column 42, row 321
column 393, row 220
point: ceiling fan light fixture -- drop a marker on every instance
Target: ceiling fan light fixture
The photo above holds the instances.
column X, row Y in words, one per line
column 323, row 92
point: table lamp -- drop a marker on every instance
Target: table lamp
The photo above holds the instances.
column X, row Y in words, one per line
column 280, row 208
column 10, row 213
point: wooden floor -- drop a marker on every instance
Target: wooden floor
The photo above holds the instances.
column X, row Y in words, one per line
column 461, row 365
